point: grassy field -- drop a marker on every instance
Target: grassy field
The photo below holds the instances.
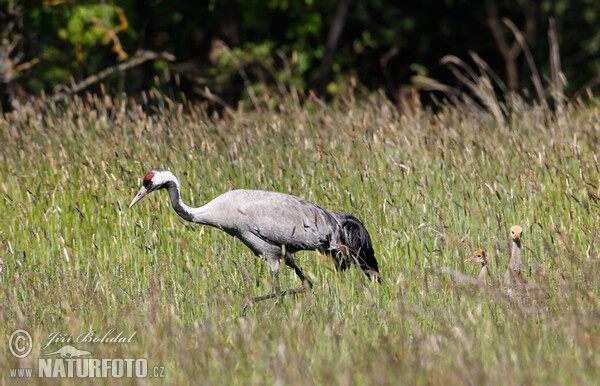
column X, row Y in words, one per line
column 430, row 188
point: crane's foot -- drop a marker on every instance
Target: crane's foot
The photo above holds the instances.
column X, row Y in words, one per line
column 249, row 301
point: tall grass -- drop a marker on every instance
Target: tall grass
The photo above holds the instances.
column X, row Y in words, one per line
column 430, row 187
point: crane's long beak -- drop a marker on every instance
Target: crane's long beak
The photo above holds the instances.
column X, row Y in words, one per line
column 143, row 191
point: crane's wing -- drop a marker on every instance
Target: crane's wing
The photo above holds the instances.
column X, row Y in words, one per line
column 283, row 219
column 265, row 221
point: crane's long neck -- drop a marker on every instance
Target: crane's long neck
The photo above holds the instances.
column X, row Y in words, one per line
column 483, row 274
column 197, row 215
column 515, row 257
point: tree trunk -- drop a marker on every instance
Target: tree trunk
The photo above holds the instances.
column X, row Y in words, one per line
column 333, row 39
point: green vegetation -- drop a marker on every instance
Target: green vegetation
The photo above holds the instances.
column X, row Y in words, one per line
column 429, row 187
column 278, row 46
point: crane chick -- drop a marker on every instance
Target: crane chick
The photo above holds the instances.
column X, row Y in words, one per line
column 481, row 257
column 528, row 295
column 274, row 226
column 514, row 281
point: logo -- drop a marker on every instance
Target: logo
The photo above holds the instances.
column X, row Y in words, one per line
column 20, row 344
column 72, row 362
column 69, row 351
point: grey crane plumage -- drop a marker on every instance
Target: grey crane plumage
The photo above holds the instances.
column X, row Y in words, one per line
column 274, row 226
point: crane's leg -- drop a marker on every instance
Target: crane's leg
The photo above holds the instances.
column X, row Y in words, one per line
column 274, row 264
column 306, row 284
column 273, row 261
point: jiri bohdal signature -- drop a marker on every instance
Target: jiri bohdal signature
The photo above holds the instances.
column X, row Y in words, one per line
column 109, row 336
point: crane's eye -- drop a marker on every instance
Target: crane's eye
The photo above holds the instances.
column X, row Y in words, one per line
column 148, row 179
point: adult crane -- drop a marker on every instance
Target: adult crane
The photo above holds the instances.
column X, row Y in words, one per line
column 274, row 226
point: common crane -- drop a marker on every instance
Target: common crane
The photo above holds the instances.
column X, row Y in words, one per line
column 481, row 257
column 524, row 293
column 274, row 226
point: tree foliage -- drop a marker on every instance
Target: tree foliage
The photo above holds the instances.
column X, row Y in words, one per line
column 237, row 48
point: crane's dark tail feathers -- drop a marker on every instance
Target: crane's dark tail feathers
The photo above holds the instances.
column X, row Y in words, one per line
column 356, row 248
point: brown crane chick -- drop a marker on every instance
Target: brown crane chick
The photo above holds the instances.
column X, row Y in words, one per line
column 480, row 257
column 514, row 281
column 516, row 285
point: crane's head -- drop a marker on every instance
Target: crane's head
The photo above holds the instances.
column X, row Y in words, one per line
column 154, row 180
column 480, row 256
column 516, row 232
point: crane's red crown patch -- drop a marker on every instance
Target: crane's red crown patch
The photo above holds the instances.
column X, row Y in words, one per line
column 148, row 177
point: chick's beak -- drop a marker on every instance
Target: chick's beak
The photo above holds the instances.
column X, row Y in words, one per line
column 473, row 259
column 143, row 192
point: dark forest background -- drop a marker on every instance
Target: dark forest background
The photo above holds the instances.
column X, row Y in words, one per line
column 227, row 51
